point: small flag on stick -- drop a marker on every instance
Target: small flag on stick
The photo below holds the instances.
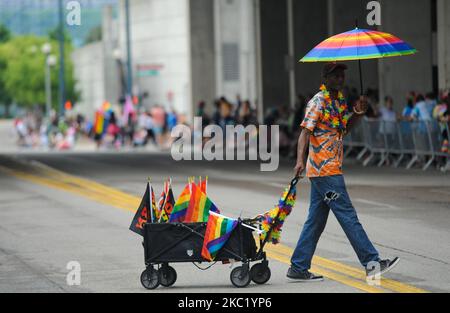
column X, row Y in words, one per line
column 145, row 213
column 180, row 208
column 166, row 202
column 218, row 231
column 199, row 206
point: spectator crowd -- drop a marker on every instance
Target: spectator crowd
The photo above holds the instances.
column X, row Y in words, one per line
column 135, row 126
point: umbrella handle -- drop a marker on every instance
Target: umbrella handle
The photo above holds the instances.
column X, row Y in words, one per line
column 361, row 86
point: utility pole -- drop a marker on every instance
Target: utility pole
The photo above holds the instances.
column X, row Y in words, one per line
column 62, row 85
column 291, row 52
column 50, row 61
column 128, row 35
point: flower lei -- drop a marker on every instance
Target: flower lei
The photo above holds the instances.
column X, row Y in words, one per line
column 282, row 210
column 335, row 117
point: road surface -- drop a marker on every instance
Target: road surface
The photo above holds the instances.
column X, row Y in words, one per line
column 63, row 207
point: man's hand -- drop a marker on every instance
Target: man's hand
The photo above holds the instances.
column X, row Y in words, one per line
column 362, row 105
column 299, row 168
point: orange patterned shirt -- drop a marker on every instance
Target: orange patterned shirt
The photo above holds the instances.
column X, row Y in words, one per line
column 326, row 150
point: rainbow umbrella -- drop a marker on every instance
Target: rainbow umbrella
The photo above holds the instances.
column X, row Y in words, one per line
column 358, row 44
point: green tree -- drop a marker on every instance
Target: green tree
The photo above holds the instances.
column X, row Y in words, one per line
column 5, row 99
column 95, row 34
column 5, row 34
column 24, row 74
column 53, row 34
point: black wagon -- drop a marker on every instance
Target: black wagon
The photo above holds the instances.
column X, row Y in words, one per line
column 166, row 243
column 183, row 242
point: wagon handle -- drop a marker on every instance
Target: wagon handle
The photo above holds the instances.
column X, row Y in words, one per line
column 294, row 183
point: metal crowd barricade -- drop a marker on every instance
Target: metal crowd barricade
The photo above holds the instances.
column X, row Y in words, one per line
column 422, row 141
column 436, row 131
column 406, row 142
column 421, row 132
column 447, row 166
column 375, row 140
column 356, row 139
column 393, row 141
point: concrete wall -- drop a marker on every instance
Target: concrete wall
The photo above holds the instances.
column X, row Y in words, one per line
column 248, row 85
column 96, row 70
column 313, row 23
column 235, row 48
column 443, row 42
column 203, row 62
column 89, row 74
column 411, row 21
column 274, row 49
column 309, row 31
column 112, row 83
column 160, row 37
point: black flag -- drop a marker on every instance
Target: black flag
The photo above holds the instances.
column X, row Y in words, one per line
column 142, row 214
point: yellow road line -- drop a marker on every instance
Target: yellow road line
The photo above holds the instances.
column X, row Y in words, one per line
column 329, row 274
column 118, row 199
column 74, row 189
column 348, row 270
column 94, row 186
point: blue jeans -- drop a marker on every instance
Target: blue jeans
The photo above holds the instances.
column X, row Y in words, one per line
column 330, row 193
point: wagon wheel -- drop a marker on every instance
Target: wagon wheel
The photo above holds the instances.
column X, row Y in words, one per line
column 240, row 277
column 150, row 278
column 260, row 273
column 167, row 276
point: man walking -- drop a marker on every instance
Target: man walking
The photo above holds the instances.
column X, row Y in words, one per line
column 327, row 120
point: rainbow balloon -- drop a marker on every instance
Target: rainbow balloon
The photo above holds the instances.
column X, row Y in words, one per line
column 358, row 44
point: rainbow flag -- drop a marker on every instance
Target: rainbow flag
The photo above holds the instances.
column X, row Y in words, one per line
column 180, row 208
column 203, row 184
column 99, row 123
column 218, row 231
column 199, row 206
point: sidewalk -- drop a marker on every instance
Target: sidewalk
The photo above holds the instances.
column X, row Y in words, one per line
column 8, row 144
column 8, row 136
